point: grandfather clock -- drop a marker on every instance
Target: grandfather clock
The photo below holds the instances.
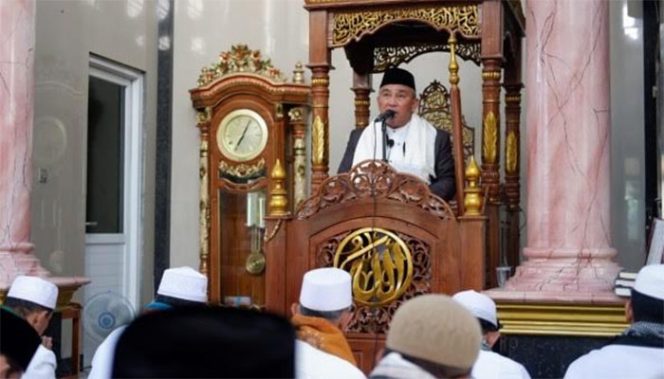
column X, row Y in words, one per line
column 250, row 117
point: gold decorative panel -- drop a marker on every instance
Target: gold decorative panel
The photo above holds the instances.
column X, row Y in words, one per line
column 511, row 153
column 391, row 56
column 490, row 139
column 370, row 319
column 435, row 107
column 242, row 170
column 379, row 262
column 318, row 137
column 350, row 26
column 240, row 59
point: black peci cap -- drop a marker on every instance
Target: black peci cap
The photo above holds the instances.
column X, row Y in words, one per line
column 398, row 76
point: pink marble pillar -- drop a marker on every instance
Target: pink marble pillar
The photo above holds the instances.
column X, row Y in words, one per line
column 17, row 43
column 568, row 129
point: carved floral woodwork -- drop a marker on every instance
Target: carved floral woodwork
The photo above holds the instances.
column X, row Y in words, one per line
column 385, row 57
column 375, row 179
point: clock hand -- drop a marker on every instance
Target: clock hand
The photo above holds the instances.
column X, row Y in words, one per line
column 244, row 132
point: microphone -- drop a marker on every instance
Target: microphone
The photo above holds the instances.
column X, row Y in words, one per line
column 385, row 116
column 390, row 142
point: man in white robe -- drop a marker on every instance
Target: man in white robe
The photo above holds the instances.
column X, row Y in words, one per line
column 414, row 146
column 489, row 365
column 34, row 299
column 178, row 286
column 321, row 350
column 639, row 351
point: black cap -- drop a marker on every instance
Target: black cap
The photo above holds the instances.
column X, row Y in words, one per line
column 18, row 339
column 398, row 76
column 206, row 342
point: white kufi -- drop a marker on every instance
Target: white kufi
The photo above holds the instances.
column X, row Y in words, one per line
column 326, row 289
column 184, row 283
column 35, row 290
column 650, row 281
column 480, row 305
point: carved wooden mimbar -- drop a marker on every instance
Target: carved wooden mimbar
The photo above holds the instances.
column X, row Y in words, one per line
column 396, row 238
column 380, row 34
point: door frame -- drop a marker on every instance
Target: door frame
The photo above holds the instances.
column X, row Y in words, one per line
column 133, row 82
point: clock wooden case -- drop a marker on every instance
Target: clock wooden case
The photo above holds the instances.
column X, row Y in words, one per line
column 245, row 113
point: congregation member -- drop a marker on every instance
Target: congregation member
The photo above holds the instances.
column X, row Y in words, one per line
column 413, row 145
column 181, row 286
column 639, row 351
column 489, row 364
column 18, row 343
column 430, row 336
column 206, row 342
column 320, row 317
column 34, row 299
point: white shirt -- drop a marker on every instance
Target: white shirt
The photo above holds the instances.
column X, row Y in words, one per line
column 619, row 361
column 102, row 361
column 491, row 365
column 42, row 365
column 397, row 152
column 311, row 363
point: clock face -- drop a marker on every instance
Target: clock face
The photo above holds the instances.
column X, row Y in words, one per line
column 242, row 135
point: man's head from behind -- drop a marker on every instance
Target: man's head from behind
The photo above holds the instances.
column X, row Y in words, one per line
column 437, row 334
column 647, row 300
column 484, row 309
column 326, row 293
column 18, row 343
column 397, row 92
column 34, row 299
column 206, row 342
column 180, row 286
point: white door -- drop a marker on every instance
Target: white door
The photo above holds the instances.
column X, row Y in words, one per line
column 114, row 176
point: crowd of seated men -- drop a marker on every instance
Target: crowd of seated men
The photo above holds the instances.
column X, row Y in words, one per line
column 430, row 336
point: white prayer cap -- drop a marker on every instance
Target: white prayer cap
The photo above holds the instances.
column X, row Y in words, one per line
column 480, row 305
column 35, row 290
column 650, row 281
column 326, row 289
column 184, row 283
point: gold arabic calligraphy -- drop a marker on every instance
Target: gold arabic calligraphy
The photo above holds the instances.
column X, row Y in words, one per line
column 380, row 264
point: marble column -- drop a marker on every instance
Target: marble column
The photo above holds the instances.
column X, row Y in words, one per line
column 568, row 249
column 17, row 43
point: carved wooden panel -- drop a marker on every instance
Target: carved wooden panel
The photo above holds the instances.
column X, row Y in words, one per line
column 368, row 319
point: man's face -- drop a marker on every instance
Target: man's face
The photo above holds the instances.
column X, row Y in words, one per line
column 40, row 320
column 399, row 98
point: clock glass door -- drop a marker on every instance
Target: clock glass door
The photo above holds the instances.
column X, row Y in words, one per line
column 242, row 262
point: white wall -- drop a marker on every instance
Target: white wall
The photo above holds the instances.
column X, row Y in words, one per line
column 627, row 133
column 67, row 32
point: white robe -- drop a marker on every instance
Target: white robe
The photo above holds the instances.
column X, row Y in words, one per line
column 619, row 361
column 311, row 363
column 420, row 156
column 102, row 361
column 490, row 365
column 42, row 365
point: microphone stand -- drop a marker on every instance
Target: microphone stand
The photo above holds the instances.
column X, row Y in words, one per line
column 384, row 129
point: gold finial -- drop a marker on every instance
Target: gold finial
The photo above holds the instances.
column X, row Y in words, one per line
column 278, row 196
column 453, row 67
column 298, row 73
column 473, row 199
